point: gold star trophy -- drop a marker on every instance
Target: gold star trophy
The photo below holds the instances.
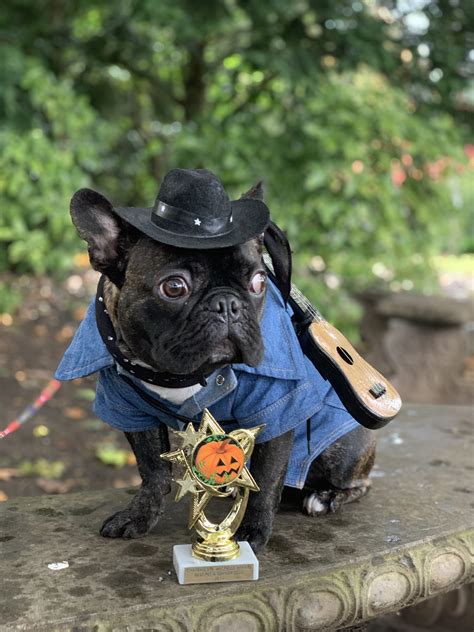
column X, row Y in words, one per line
column 214, row 466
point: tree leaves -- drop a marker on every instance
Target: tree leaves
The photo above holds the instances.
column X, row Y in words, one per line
column 331, row 103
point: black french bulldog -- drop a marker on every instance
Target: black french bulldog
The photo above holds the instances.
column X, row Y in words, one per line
column 184, row 311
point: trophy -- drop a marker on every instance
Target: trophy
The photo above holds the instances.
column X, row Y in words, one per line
column 214, row 464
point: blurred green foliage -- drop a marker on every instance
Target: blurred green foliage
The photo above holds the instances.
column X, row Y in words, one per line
column 43, row 468
column 10, row 298
column 110, row 454
column 354, row 114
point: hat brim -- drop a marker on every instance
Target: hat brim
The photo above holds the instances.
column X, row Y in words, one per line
column 249, row 219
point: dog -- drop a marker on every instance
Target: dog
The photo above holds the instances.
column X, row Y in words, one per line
column 197, row 313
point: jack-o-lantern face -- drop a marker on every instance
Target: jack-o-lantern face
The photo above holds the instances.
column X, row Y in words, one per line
column 218, row 460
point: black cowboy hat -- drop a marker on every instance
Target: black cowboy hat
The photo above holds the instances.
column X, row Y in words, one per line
column 192, row 210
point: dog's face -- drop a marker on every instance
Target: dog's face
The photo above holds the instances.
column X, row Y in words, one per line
column 175, row 309
column 183, row 311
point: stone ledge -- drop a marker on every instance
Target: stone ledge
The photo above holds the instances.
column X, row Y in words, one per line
column 410, row 539
column 430, row 310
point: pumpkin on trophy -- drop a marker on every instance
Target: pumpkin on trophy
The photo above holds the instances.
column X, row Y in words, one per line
column 218, row 460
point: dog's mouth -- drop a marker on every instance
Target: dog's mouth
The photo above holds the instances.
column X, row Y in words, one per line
column 226, row 351
column 221, row 353
column 201, row 348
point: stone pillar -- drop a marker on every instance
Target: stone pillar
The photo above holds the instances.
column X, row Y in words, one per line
column 420, row 343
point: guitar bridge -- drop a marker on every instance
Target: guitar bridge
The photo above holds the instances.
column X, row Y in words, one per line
column 377, row 390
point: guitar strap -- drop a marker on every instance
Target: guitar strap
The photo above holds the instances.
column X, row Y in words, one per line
column 280, row 271
column 279, row 251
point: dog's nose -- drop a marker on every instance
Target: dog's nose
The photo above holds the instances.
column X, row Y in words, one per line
column 228, row 306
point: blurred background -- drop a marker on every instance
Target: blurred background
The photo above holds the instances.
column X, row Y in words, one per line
column 355, row 113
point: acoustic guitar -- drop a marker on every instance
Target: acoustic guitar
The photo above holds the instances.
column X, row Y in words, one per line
column 366, row 394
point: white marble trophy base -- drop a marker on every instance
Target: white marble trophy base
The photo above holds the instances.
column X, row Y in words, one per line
column 190, row 570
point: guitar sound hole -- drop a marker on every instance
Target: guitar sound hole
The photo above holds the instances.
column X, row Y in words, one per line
column 345, row 355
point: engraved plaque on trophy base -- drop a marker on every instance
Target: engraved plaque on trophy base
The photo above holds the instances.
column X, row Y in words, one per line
column 191, row 570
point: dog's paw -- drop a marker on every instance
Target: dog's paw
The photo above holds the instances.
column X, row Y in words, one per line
column 127, row 524
column 257, row 537
column 323, row 502
column 319, row 503
column 136, row 520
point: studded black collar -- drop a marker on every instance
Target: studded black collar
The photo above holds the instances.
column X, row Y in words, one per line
column 109, row 337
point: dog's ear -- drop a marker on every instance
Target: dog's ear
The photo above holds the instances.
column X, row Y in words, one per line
column 256, row 192
column 107, row 237
column 278, row 248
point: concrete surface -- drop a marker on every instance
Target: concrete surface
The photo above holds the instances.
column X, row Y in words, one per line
column 411, row 538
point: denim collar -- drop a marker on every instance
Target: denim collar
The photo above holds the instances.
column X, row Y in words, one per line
column 219, row 385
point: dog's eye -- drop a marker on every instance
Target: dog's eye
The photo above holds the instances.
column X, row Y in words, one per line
column 174, row 287
column 258, row 283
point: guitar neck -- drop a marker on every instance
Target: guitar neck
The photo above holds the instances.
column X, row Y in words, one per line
column 300, row 304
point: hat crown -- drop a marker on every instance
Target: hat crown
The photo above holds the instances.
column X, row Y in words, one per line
column 193, row 210
column 197, row 191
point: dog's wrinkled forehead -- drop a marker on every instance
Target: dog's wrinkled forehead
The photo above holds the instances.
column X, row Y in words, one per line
column 150, row 258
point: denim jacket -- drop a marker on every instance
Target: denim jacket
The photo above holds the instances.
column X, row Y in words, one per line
column 284, row 391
